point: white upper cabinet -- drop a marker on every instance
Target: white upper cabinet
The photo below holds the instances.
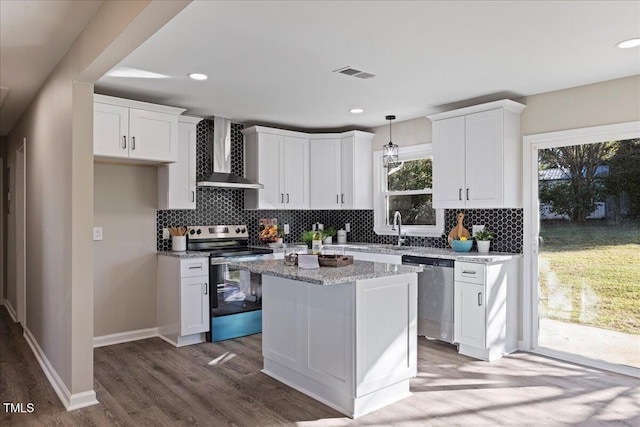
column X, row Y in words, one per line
column 133, row 131
column 279, row 160
column 177, row 181
column 340, row 171
column 477, row 156
column 325, row 172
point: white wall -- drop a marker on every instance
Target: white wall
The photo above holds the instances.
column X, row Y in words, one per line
column 614, row 101
column 124, row 262
column 58, row 125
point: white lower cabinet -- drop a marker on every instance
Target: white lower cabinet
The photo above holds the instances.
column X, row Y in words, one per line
column 485, row 323
column 469, row 319
column 183, row 299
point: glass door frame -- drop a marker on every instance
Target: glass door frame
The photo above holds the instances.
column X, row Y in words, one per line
column 531, row 226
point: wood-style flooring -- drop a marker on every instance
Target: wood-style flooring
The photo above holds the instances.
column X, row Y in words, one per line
column 150, row 383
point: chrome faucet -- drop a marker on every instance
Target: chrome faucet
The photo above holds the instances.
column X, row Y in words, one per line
column 397, row 221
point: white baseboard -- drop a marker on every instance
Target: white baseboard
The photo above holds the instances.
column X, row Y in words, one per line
column 70, row 401
column 11, row 310
column 123, row 337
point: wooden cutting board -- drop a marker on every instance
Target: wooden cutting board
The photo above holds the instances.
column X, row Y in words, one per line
column 459, row 230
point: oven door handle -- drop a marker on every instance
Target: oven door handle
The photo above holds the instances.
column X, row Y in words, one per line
column 219, row 260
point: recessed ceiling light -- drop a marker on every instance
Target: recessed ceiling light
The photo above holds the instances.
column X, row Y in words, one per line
column 135, row 73
column 198, row 76
column 629, row 43
column 356, row 110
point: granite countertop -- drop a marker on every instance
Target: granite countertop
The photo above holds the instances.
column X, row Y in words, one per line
column 184, row 254
column 426, row 252
column 488, row 258
column 359, row 270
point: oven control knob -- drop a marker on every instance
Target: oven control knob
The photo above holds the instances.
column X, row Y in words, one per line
column 226, row 230
column 192, row 231
column 244, row 230
column 199, row 231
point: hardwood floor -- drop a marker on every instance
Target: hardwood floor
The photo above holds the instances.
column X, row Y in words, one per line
column 149, row 383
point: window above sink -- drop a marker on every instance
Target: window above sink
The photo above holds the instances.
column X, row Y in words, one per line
column 406, row 188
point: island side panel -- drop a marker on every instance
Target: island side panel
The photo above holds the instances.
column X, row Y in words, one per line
column 386, row 332
column 308, row 339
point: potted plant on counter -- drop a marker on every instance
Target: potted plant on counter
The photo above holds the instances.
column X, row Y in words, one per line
column 483, row 238
column 307, row 237
column 327, row 235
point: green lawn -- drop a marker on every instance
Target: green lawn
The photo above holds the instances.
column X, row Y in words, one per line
column 590, row 274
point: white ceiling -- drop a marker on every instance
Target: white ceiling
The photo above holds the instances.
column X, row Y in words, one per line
column 272, row 62
column 34, row 36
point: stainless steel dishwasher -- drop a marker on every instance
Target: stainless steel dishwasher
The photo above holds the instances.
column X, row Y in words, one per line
column 435, row 296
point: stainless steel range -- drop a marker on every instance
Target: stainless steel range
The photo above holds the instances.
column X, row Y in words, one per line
column 236, row 297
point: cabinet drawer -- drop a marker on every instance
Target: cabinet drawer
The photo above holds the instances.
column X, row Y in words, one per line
column 191, row 267
column 469, row 272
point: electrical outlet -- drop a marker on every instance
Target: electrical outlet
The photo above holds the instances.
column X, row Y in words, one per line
column 476, row 228
column 347, row 227
column 286, row 229
column 97, row 233
column 165, row 234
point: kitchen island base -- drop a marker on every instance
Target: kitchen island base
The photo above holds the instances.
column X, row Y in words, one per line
column 352, row 346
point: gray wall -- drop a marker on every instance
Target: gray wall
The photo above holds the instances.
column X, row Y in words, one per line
column 124, row 262
column 604, row 103
column 58, row 125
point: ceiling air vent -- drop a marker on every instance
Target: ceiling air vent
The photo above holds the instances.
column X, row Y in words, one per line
column 348, row 71
column 3, row 94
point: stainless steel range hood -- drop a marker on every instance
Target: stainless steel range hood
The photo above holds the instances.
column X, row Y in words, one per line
column 221, row 147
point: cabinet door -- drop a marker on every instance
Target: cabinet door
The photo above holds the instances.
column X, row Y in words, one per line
column 177, row 181
column 347, row 153
column 194, row 305
column 295, row 169
column 484, row 159
column 110, row 130
column 469, row 324
column 449, row 163
column 270, row 165
column 324, row 173
column 154, row 136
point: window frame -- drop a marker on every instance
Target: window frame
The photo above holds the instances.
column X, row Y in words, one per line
column 413, row 152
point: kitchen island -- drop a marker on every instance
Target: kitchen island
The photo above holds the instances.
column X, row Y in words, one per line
column 345, row 336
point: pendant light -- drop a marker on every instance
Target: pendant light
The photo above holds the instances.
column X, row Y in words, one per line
column 390, row 150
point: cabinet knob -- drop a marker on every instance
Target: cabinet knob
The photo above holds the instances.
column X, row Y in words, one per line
column 460, row 194
column 124, row 142
column 133, row 142
column 287, row 197
column 467, row 194
column 479, row 299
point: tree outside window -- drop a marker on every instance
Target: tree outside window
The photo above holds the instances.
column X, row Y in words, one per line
column 409, row 192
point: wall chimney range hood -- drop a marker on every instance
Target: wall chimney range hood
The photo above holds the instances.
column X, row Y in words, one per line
column 221, row 147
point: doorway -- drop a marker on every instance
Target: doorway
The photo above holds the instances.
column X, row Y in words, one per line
column 583, row 250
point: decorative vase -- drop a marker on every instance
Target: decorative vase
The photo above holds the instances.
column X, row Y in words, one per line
column 483, row 246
